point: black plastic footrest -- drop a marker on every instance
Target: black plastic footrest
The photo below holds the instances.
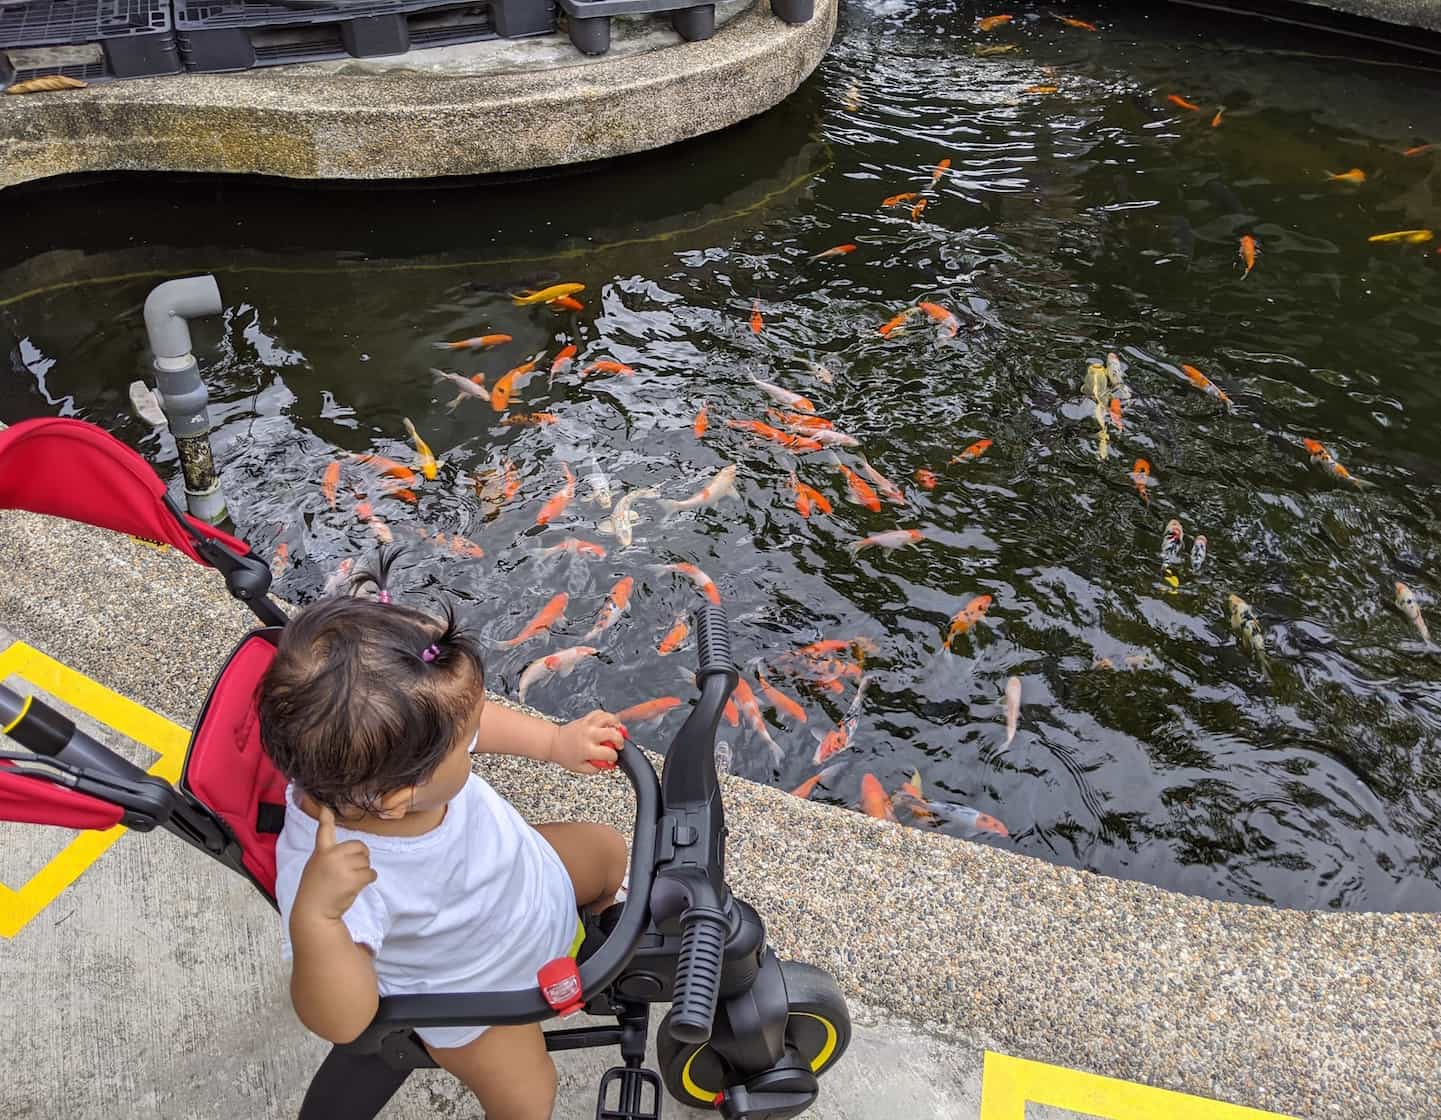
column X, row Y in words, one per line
column 628, row 1094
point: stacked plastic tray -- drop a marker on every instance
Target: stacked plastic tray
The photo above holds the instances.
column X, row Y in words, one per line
column 93, row 40
column 589, row 20
column 239, row 34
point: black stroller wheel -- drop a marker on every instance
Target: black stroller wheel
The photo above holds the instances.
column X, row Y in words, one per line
column 818, row 1028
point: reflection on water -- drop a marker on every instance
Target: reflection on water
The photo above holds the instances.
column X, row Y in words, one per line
column 1101, row 217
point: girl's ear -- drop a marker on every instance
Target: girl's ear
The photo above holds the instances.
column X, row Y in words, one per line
column 395, row 804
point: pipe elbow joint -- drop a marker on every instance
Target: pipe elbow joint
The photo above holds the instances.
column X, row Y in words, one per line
column 169, row 308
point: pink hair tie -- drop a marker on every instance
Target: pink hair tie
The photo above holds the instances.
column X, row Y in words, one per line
column 383, row 597
column 430, row 653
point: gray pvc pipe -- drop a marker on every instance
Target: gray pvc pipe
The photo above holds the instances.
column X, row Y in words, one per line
column 171, row 305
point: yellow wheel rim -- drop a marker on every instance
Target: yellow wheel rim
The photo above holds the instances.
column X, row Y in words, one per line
column 818, row 1063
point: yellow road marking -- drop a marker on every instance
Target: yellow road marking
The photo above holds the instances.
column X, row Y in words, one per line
column 1009, row 1084
column 166, row 739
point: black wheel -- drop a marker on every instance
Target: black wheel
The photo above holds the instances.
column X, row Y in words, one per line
column 818, row 1028
column 590, row 34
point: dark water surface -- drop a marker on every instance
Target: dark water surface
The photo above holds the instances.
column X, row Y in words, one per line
column 1097, row 218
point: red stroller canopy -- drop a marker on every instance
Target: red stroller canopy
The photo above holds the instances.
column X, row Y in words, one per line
column 71, row 469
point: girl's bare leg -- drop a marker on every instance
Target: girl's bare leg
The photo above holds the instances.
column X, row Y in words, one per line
column 508, row 1070
column 595, row 856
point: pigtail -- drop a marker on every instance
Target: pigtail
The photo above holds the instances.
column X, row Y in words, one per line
column 378, row 576
column 455, row 640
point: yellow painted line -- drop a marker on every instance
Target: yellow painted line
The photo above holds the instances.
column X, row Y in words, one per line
column 1009, row 1084
column 166, row 739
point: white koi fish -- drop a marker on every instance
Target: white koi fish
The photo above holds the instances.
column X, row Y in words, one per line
column 561, row 664
column 723, row 485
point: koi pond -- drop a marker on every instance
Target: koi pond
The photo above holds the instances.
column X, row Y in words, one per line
column 1095, row 202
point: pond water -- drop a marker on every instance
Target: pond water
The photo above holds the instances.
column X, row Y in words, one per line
column 1101, row 217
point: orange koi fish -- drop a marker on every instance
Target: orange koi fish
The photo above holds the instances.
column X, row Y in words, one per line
column 563, row 360
column 889, row 540
column 548, row 295
column 783, row 397
column 1180, row 102
column 561, row 663
column 1206, row 385
column 757, row 323
column 836, row 251
column 615, row 605
column 649, row 711
column 750, row 711
column 896, row 323
column 860, row 490
column 939, row 170
column 897, row 199
column 279, row 560
column 1141, row 477
column 839, row 737
column 481, row 342
column 329, row 482
column 926, row 478
column 1041, row 89
column 547, row 617
column 798, row 420
column 968, row 616
column 575, row 545
column 808, row 499
column 946, row 319
column 917, row 209
column 1326, row 461
column 826, row 647
column 1355, row 175
column 1418, row 149
column 530, row 419
column 888, row 489
column 702, row 421
column 464, row 546
column 975, row 451
column 703, row 583
column 556, row 506
column 365, row 514
column 1216, row 120
column 605, row 365
column 1248, row 252
column 990, row 23
column 874, row 802
column 1079, row 24
column 674, row 636
column 400, row 471
column 779, row 700
column 565, row 303
column 512, row 482
column 404, row 495
column 1116, row 413
column 500, row 394
column 808, row 787
column 775, row 435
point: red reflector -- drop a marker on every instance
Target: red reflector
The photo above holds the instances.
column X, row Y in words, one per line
column 560, row 985
column 716, row 1100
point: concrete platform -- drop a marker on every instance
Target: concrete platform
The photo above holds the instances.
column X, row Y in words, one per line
column 152, row 985
column 500, row 106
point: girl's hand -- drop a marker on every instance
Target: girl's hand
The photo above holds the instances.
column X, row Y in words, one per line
column 589, row 744
column 334, row 874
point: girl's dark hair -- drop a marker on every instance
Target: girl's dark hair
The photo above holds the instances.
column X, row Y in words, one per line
column 366, row 696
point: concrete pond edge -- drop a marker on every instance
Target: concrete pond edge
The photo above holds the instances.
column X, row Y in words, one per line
column 417, row 124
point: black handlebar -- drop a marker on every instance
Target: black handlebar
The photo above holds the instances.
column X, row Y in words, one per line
column 691, row 893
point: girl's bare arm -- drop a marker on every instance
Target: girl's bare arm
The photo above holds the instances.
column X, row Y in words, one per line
column 332, row 979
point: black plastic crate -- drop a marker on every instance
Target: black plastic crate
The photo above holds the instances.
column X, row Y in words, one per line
column 240, row 34
column 114, row 39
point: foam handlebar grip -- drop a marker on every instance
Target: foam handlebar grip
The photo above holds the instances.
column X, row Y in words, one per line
column 697, row 978
column 713, row 639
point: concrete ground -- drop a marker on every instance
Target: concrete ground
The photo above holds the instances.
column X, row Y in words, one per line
column 152, row 986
